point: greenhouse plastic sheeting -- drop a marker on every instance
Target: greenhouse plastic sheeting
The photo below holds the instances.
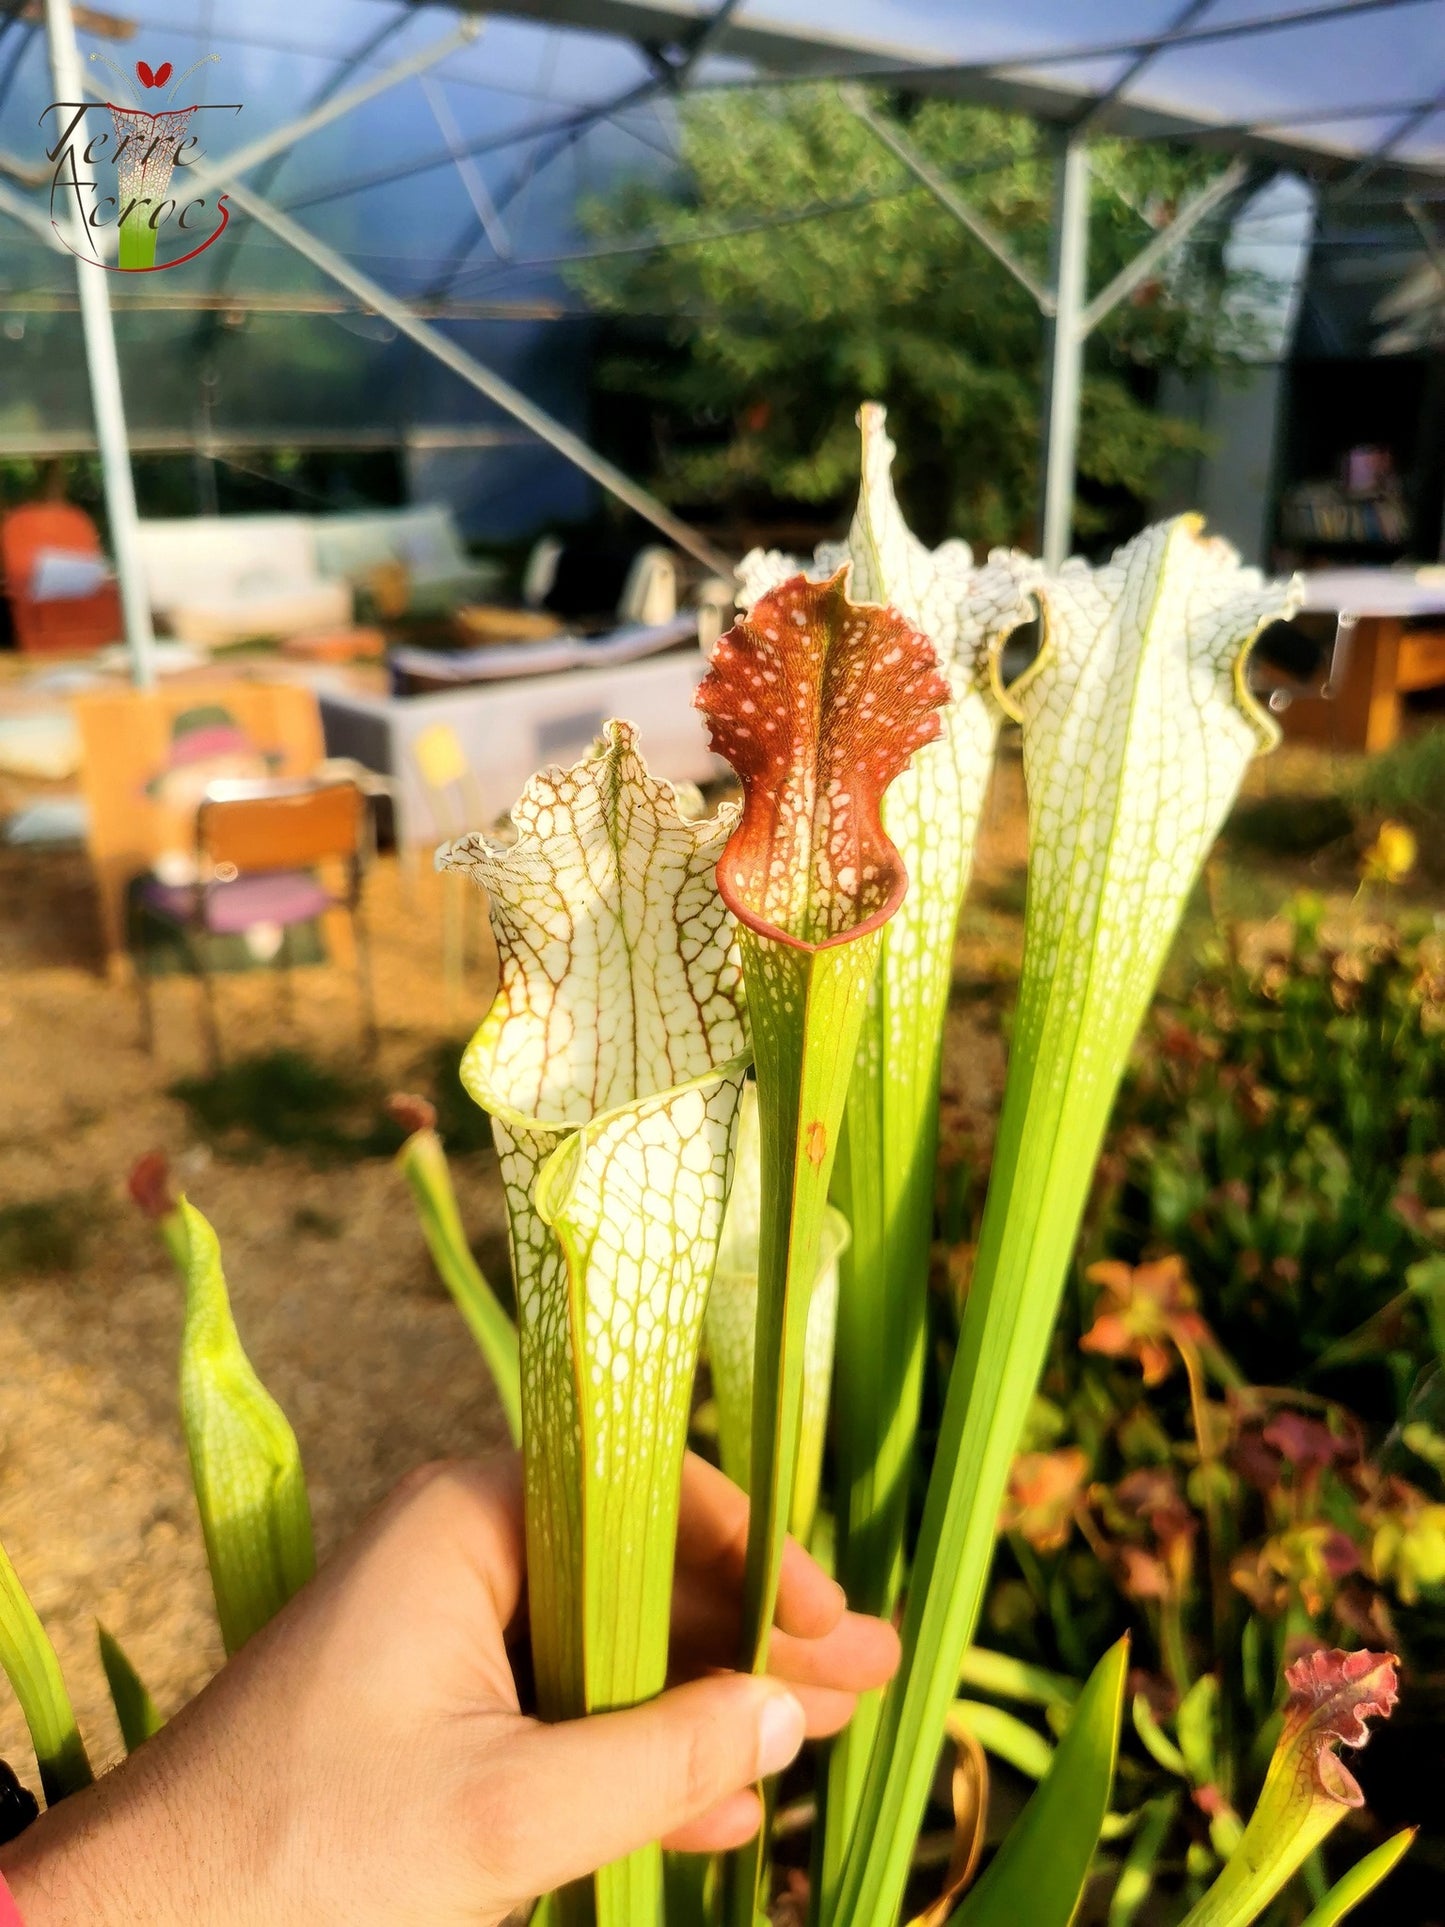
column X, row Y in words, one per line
column 556, row 99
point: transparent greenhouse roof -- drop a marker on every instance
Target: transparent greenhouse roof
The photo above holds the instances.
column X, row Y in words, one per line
column 457, row 188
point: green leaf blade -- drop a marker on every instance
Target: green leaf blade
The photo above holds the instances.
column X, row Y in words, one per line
column 135, row 1711
column 987, row 1671
column 423, row 1163
column 1040, row 1871
column 1361, row 1880
column 1136, row 1876
column 1006, row 1736
column 29, row 1662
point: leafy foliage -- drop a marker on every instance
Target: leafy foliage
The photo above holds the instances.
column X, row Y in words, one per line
column 1282, row 1133
column 752, row 340
column 1239, row 1452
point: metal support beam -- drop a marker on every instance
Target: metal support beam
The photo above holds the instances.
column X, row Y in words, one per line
column 1075, row 318
column 476, row 373
column 1089, row 120
column 483, row 205
column 1069, row 263
column 702, row 43
column 944, row 192
column 1411, row 119
column 1194, row 210
column 265, row 146
column 107, row 400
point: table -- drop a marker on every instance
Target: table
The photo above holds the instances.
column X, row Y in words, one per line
column 509, row 730
column 1385, row 660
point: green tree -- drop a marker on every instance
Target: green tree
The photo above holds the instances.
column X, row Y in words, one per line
column 751, row 334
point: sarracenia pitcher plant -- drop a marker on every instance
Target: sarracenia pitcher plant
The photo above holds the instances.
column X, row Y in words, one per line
column 860, row 709
column 1137, row 727
column 612, row 1062
column 647, row 958
column 885, row 1176
column 818, row 702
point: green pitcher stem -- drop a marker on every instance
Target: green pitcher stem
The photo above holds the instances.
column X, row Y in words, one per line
column 807, row 1007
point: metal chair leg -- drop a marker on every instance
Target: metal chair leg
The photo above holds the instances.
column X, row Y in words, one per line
column 210, row 1022
column 136, row 955
column 286, row 982
column 362, row 940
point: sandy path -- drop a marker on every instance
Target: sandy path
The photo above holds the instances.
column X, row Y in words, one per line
column 332, row 1288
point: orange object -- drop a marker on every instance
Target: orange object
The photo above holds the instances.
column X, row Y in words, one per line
column 283, row 828
column 62, row 624
column 336, row 645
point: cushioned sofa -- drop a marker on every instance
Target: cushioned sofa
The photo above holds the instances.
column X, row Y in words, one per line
column 435, row 574
column 216, row 579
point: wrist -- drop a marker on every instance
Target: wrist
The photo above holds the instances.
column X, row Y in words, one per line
column 46, row 1870
column 107, row 1857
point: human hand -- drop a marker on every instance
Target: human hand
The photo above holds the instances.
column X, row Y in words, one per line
column 365, row 1759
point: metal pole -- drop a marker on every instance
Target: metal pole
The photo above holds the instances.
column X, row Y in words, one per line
column 1069, row 262
column 106, row 398
column 546, row 427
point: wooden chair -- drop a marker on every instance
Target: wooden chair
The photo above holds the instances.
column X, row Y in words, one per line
column 61, row 623
column 257, row 848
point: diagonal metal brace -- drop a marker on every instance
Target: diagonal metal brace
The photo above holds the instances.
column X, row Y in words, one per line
column 944, row 192
column 479, row 376
column 1194, row 210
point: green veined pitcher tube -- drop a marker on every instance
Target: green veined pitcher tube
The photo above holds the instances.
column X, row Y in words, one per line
column 1136, row 729
column 731, row 1322
column 818, row 703
column 885, row 1175
column 612, row 1061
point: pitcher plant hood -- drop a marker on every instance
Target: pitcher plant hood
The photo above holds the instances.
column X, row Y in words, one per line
column 818, row 703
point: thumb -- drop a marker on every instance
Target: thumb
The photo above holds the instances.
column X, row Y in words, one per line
column 561, row 1801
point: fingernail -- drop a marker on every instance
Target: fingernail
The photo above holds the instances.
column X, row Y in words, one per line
column 780, row 1733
